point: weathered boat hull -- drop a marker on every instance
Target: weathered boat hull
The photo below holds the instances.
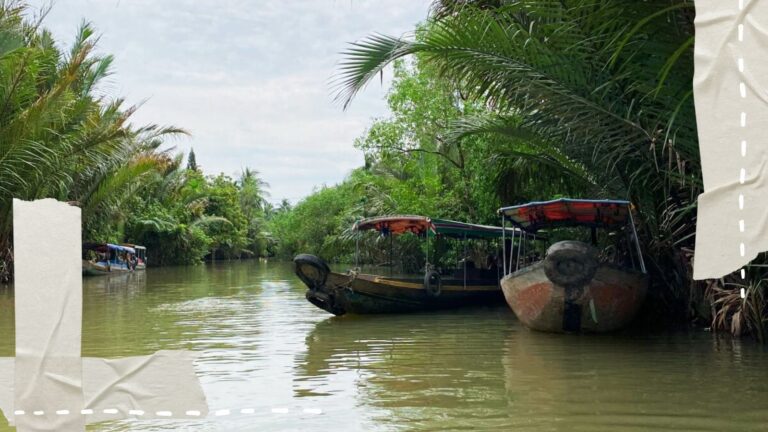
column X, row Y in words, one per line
column 609, row 301
column 91, row 268
column 370, row 294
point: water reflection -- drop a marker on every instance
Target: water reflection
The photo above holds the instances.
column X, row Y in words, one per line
column 426, row 371
column 479, row 367
column 263, row 347
column 661, row 382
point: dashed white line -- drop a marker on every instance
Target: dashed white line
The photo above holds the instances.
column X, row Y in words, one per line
column 191, row 413
column 742, row 170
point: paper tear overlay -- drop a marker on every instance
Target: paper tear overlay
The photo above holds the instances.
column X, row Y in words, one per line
column 730, row 82
column 48, row 379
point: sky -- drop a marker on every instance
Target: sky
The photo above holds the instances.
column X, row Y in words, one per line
column 249, row 79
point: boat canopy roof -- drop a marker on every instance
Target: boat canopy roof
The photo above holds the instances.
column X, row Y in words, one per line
column 137, row 247
column 103, row 247
column 566, row 212
column 420, row 225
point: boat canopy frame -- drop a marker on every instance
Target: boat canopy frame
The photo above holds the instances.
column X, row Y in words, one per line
column 423, row 225
column 568, row 212
column 426, row 227
column 109, row 246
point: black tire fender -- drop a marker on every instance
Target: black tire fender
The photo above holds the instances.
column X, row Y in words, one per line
column 433, row 284
column 312, row 270
column 571, row 263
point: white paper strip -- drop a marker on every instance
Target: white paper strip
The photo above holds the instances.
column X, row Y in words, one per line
column 730, row 82
column 48, row 298
column 48, row 386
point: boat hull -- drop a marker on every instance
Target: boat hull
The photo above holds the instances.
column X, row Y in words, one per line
column 370, row 294
column 100, row 268
column 609, row 301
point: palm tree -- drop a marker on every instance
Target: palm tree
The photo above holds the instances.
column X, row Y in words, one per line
column 253, row 193
column 253, row 202
column 59, row 137
column 604, row 87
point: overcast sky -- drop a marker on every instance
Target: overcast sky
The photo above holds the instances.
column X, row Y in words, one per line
column 248, row 78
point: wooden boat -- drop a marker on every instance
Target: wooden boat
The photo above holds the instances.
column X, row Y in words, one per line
column 354, row 292
column 141, row 256
column 576, row 288
column 106, row 258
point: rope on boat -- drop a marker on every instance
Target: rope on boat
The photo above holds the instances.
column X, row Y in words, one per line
column 352, row 273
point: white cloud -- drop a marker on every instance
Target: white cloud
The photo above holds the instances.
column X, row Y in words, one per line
column 248, row 78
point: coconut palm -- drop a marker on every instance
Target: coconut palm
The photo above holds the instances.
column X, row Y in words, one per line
column 601, row 85
column 59, row 137
column 253, row 192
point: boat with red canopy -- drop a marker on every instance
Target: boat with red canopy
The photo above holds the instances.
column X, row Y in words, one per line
column 593, row 284
column 445, row 276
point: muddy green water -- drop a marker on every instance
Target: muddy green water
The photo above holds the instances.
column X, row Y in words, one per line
column 263, row 347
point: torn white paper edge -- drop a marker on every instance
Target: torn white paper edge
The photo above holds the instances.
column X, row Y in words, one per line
column 732, row 117
column 52, row 387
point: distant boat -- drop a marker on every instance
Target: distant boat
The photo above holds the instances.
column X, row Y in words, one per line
column 356, row 292
column 576, row 287
column 107, row 258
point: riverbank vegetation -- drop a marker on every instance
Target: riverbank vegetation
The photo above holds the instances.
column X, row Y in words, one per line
column 512, row 101
column 61, row 137
column 493, row 102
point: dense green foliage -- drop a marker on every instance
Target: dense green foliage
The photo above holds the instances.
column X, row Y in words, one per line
column 530, row 99
column 60, row 137
column 494, row 102
column 184, row 216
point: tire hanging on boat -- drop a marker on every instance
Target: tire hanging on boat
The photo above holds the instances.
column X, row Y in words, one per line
column 571, row 263
column 433, row 284
column 312, row 270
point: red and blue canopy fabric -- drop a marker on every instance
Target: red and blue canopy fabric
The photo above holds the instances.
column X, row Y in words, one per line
column 421, row 225
column 103, row 247
column 567, row 212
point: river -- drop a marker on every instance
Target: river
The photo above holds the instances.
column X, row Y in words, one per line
column 262, row 347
